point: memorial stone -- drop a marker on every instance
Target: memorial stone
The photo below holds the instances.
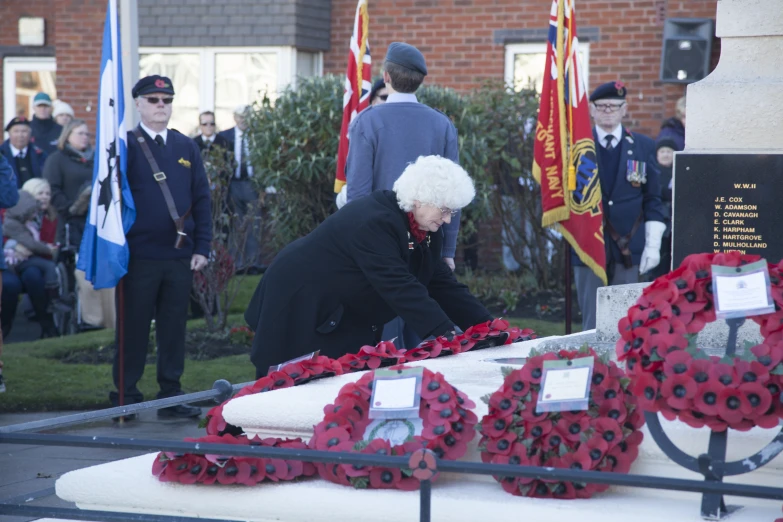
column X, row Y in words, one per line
column 728, row 202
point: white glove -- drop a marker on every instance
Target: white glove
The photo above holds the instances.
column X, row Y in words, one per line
column 651, row 256
column 342, row 197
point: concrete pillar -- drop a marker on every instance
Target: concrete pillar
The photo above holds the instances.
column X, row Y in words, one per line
column 739, row 106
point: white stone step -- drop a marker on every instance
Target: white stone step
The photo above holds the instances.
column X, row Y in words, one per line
column 128, row 486
column 294, row 411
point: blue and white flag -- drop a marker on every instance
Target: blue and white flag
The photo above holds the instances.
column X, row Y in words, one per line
column 104, row 253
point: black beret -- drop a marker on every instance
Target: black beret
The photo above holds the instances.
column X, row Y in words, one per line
column 612, row 90
column 377, row 86
column 666, row 142
column 151, row 84
column 407, row 56
column 19, row 120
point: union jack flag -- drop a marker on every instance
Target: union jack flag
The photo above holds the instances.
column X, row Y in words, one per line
column 358, row 83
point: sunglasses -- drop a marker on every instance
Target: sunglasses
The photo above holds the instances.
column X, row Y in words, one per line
column 209, row 123
column 155, row 100
column 383, row 96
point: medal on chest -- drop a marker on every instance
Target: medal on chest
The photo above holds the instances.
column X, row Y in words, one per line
column 636, row 173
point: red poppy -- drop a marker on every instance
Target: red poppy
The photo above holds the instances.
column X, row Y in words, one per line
column 733, row 406
column 185, row 469
column 444, row 400
column 415, row 354
column 529, row 412
column 661, row 290
column 502, row 405
column 502, row 445
column 434, row 431
column 752, row 371
column 724, row 373
column 515, row 385
column 621, row 460
column 432, row 386
column 614, row 409
column 596, row 449
column 758, row 397
column 235, row 472
column 769, row 355
column 679, row 391
column 432, row 347
column 538, row 430
column 645, row 389
column 330, row 438
column 693, row 419
column 572, row 429
column 533, row 370
column 609, row 430
column 280, row 380
column 676, row 363
column 493, row 425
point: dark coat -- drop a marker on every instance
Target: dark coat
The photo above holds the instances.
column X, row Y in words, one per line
column 45, row 133
column 9, row 195
column 230, row 136
column 623, row 205
column 220, row 141
column 154, row 233
column 70, row 176
column 334, row 289
column 674, row 130
column 37, row 160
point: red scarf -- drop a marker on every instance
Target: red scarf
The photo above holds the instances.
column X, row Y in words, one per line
column 417, row 233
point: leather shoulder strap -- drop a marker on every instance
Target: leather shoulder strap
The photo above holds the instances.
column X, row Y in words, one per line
column 160, row 177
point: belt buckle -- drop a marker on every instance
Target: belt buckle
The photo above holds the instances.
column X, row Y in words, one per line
column 159, row 176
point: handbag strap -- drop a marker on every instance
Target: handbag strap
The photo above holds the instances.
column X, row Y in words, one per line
column 623, row 242
column 160, row 177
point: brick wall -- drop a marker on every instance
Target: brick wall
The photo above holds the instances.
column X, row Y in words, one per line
column 463, row 41
column 74, row 29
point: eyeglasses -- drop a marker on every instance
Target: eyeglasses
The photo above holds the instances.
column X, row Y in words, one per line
column 383, row 96
column 209, row 123
column 447, row 212
column 154, row 100
column 608, row 107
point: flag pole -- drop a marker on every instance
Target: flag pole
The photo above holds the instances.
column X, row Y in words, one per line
column 568, row 304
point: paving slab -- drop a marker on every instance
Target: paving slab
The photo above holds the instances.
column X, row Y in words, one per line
column 28, row 469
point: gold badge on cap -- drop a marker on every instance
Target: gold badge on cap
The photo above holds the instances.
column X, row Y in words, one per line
column 185, row 163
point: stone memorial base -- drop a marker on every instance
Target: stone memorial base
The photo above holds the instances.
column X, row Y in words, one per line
column 129, row 486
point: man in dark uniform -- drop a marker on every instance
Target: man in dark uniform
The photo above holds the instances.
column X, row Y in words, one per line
column 208, row 137
column 163, row 254
column 25, row 158
column 630, row 186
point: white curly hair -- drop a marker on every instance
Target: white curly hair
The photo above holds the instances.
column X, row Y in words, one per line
column 436, row 181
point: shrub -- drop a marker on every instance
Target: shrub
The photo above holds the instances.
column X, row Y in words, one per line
column 294, row 149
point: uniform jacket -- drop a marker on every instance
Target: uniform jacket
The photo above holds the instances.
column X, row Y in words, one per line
column 385, row 138
column 334, row 289
column 625, row 202
column 9, row 194
column 69, row 174
column 220, row 141
column 37, row 159
column 45, row 133
column 153, row 234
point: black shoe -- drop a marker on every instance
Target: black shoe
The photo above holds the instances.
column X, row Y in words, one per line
column 181, row 411
column 126, row 418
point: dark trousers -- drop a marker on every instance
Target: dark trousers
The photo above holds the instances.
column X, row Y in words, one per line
column 12, row 287
column 159, row 289
column 30, row 280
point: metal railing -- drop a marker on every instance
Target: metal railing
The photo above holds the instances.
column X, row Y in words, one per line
column 20, row 434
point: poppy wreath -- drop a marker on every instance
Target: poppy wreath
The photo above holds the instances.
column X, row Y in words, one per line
column 208, row 469
column 370, row 358
column 670, row 375
column 447, row 420
column 294, row 374
column 605, row 437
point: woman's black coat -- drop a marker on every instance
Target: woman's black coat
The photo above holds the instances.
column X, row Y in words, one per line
column 68, row 174
column 334, row 289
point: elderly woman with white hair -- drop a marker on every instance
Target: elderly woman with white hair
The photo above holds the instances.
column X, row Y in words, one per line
column 376, row 258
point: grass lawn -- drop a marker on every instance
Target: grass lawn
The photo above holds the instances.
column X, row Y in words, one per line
column 37, row 381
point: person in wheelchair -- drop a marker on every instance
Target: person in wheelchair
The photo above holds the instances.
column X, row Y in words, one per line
column 69, row 172
column 29, row 227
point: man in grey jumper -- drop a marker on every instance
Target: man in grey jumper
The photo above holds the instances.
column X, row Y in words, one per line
column 385, row 138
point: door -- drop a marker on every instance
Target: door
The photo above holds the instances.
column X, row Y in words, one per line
column 22, row 79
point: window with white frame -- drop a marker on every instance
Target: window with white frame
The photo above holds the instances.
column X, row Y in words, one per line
column 221, row 78
column 525, row 64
